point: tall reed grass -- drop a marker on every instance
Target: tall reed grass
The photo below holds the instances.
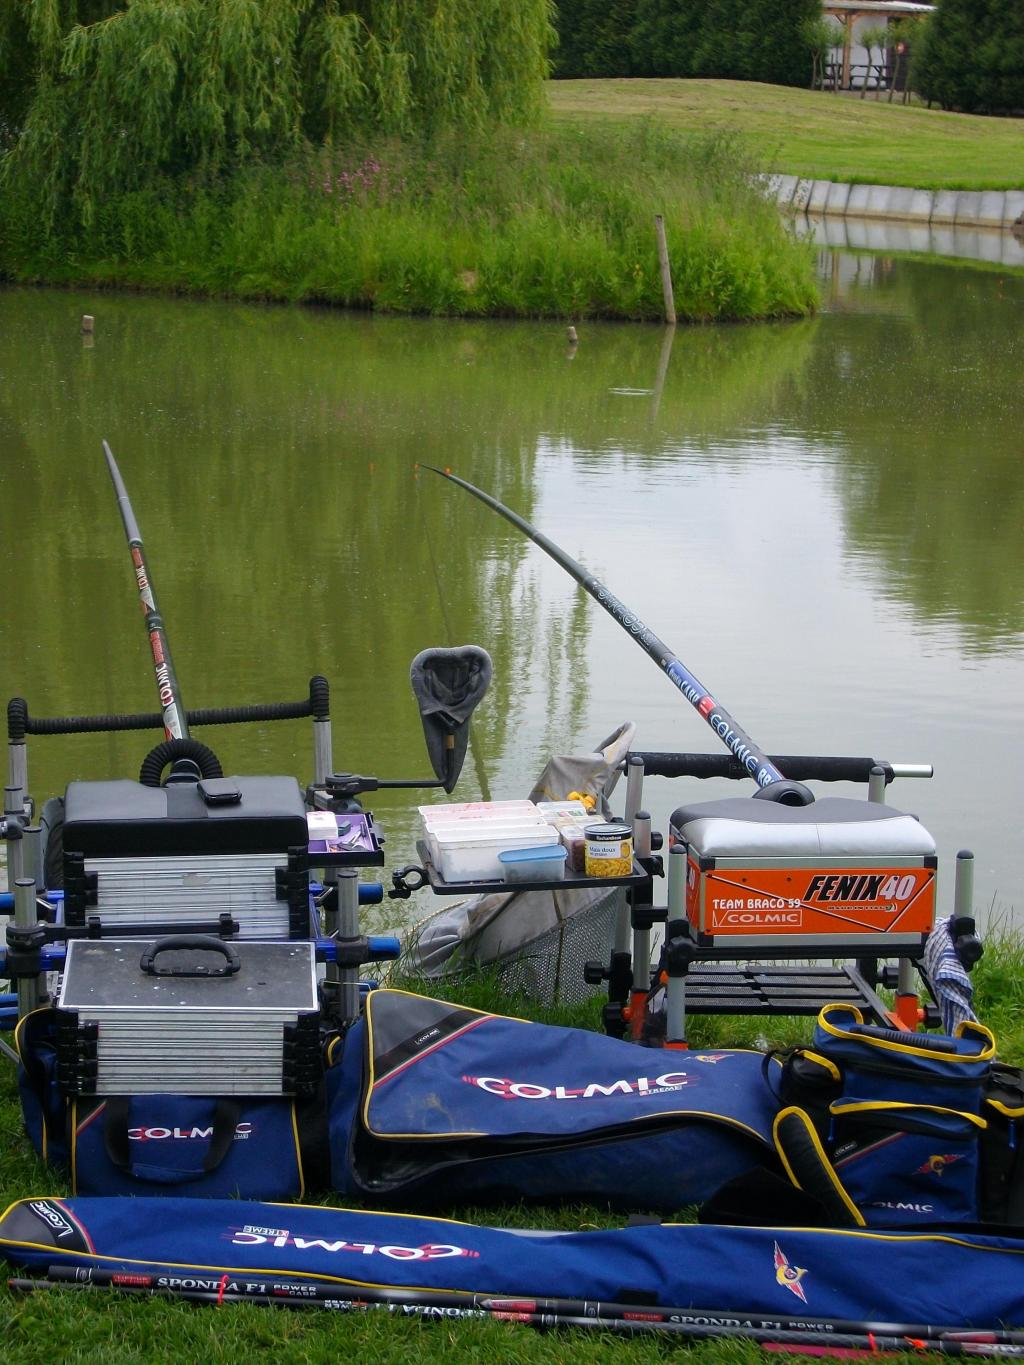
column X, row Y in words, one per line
column 556, row 222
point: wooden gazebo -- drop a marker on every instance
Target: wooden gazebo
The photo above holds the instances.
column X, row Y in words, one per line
column 847, row 12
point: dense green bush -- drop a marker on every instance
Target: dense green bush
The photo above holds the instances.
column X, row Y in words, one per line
column 752, row 40
column 555, row 222
column 970, row 57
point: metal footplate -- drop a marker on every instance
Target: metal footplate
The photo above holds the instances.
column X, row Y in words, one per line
column 754, row 988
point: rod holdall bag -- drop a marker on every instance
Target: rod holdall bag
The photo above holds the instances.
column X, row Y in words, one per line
column 890, row 1128
column 433, row 1101
column 965, row 1280
column 209, row 1146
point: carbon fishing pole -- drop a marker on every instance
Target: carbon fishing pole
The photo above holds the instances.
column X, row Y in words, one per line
column 283, row 1291
column 175, row 722
column 736, row 740
column 820, row 1342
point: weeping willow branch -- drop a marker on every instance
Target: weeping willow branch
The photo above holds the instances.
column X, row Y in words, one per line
column 125, row 92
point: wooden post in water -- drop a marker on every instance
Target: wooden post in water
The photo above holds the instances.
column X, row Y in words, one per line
column 666, row 271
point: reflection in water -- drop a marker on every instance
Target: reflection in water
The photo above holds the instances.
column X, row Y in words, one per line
column 933, row 494
column 821, row 518
column 988, row 245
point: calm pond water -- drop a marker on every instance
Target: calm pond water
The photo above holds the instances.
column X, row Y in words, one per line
column 823, row 519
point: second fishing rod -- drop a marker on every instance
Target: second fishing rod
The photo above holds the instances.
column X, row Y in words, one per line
column 256, row 1288
column 750, row 755
column 220, row 1294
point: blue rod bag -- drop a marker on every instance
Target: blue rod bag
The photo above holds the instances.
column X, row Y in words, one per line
column 431, row 1100
column 965, row 1279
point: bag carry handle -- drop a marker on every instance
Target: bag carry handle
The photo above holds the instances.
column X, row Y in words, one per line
column 928, row 1041
column 116, row 1120
column 196, row 943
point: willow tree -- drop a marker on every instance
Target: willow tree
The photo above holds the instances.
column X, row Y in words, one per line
column 123, row 91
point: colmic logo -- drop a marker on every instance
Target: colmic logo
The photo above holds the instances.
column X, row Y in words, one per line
column 145, row 591
column 789, row 1275
column 52, row 1217
column 756, row 916
column 711, row 1057
column 859, row 888
column 242, row 1131
column 526, row 1090
column 429, row 1251
column 935, row 1165
column 903, row 1206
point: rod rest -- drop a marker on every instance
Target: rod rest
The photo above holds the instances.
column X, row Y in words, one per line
column 20, row 723
column 798, row 767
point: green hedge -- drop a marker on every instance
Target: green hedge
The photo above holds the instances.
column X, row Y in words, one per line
column 971, row 57
column 749, row 40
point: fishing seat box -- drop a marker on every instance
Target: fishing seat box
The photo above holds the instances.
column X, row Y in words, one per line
column 840, row 874
column 139, row 855
column 188, row 1015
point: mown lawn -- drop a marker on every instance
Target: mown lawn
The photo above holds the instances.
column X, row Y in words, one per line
column 818, row 135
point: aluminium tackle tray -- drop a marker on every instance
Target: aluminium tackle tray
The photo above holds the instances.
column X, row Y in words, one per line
column 188, row 1015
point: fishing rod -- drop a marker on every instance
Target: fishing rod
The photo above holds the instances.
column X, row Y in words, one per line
column 175, row 722
column 283, row 1291
column 225, row 1291
column 736, row 740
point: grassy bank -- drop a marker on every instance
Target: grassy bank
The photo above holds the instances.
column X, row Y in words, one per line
column 818, row 135
column 99, row 1328
column 555, row 223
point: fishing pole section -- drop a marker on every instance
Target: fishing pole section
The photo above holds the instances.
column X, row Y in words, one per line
column 746, row 752
column 174, row 718
column 817, row 1336
column 189, row 760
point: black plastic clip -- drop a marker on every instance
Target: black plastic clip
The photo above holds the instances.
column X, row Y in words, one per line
column 407, row 880
column 24, row 949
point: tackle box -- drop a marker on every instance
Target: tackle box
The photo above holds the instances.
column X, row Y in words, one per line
column 139, row 855
column 473, row 855
column 188, row 1014
column 841, row 874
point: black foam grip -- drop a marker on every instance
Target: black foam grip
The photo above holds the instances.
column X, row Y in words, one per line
column 797, row 767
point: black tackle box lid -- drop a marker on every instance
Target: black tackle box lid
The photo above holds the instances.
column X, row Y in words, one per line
column 122, row 818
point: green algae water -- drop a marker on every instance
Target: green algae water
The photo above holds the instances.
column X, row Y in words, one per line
column 823, row 519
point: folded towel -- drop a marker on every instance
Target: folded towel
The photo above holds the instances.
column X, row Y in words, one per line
column 950, row 982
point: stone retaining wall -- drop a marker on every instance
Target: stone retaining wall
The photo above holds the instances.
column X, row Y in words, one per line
column 826, row 198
